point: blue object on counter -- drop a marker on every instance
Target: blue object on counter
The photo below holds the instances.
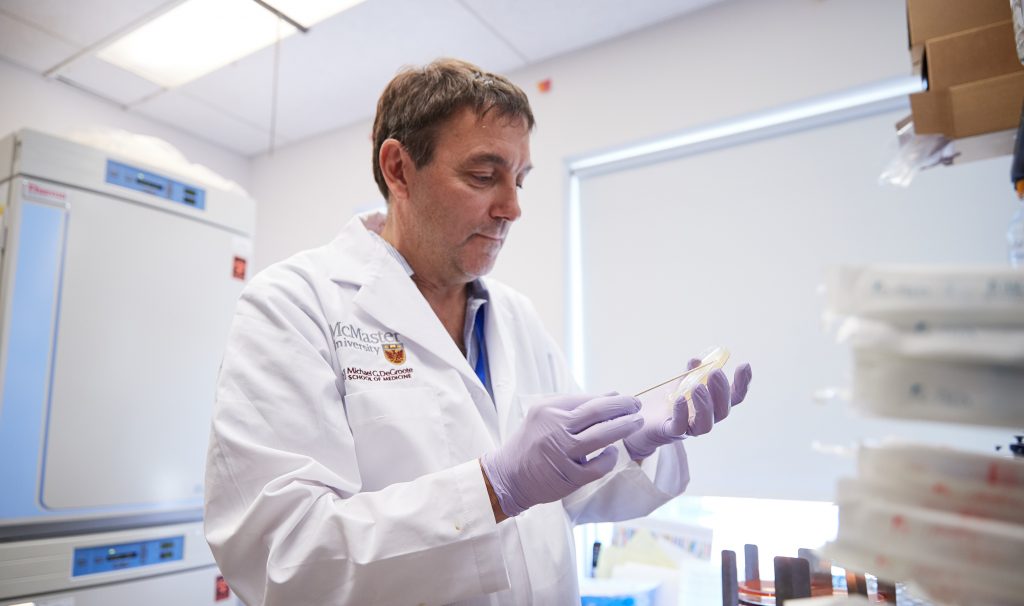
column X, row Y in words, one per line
column 618, row 592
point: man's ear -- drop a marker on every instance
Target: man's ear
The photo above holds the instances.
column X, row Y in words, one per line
column 396, row 166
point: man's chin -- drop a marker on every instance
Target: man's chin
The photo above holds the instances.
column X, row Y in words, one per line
column 478, row 269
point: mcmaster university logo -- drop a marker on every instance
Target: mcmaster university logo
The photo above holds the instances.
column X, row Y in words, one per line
column 394, row 353
column 351, row 336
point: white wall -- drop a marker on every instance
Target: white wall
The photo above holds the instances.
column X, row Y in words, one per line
column 725, row 60
column 27, row 100
column 306, row 192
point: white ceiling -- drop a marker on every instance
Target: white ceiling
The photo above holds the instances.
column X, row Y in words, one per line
column 327, row 78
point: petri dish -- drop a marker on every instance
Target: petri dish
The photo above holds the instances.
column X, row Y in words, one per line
column 667, row 393
column 966, row 468
column 711, row 361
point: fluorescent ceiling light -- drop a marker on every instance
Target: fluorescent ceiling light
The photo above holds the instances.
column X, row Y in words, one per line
column 200, row 36
column 310, row 12
column 195, row 38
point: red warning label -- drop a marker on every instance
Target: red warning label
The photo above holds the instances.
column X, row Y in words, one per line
column 238, row 268
column 223, row 592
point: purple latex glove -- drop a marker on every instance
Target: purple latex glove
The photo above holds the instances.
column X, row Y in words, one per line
column 712, row 403
column 545, row 459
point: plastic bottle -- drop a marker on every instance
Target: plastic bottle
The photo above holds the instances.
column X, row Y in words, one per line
column 1015, row 237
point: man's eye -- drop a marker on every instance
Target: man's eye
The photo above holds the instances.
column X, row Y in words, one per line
column 483, row 179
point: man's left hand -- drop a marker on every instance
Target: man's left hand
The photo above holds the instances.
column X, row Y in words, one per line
column 712, row 403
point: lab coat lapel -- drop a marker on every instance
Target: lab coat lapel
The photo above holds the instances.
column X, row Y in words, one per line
column 388, row 295
column 394, row 301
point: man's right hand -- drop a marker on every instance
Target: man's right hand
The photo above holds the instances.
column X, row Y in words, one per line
column 545, row 459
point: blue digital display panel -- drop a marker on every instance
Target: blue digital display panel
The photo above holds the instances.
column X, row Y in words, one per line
column 107, row 558
column 152, row 183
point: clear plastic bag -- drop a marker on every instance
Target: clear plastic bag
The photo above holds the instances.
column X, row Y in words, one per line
column 916, row 153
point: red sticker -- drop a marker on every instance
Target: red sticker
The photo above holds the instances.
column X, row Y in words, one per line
column 223, row 591
column 238, row 268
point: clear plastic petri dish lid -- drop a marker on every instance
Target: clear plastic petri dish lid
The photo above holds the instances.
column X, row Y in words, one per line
column 710, row 361
column 667, row 393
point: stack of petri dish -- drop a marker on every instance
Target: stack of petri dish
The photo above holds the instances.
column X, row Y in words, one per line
column 949, row 522
column 938, row 344
column 933, row 343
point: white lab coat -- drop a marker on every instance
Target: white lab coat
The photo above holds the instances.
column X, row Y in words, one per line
column 327, row 486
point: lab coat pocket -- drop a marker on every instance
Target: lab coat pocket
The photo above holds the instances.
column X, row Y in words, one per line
column 398, row 434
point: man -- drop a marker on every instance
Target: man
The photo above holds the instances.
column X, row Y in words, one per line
column 381, row 433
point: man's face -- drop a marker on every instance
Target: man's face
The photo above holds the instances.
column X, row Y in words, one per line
column 462, row 203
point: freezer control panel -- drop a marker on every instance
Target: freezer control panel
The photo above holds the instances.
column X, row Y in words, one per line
column 157, row 185
column 106, row 558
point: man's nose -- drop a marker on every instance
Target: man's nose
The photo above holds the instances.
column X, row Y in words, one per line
column 507, row 205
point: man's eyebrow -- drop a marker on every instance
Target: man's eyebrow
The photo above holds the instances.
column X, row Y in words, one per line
column 489, row 158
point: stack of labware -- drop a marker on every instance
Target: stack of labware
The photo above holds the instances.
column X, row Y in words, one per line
column 949, row 522
column 941, row 344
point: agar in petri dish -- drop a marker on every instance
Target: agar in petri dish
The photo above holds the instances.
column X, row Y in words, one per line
column 667, row 393
column 709, row 362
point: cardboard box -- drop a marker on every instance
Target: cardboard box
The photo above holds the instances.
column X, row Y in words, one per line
column 974, row 54
column 917, row 60
column 928, row 19
column 971, row 108
column 967, row 52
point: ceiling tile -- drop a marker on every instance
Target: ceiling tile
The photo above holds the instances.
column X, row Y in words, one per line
column 31, row 47
column 84, row 22
column 332, row 76
column 242, row 89
column 541, row 29
column 108, row 81
column 206, row 122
